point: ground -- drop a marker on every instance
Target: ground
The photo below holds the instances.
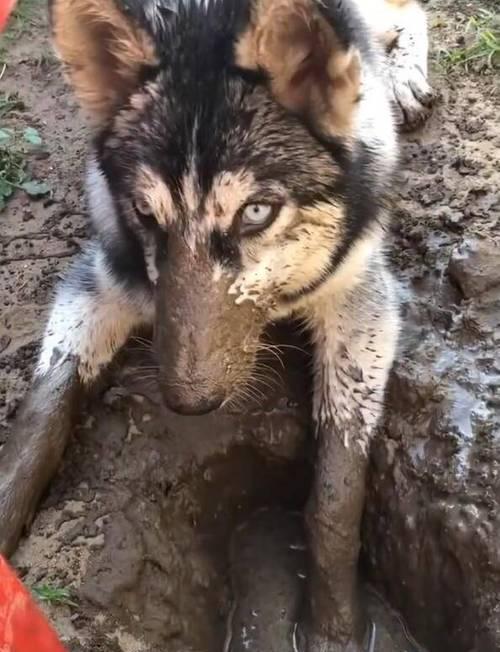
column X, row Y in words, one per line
column 104, row 556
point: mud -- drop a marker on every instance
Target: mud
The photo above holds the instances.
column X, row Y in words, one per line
column 149, row 521
column 140, row 518
column 432, row 522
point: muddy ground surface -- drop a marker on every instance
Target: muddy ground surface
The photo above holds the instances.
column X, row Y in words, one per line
column 141, row 523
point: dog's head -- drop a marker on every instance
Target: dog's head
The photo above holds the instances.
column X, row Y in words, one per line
column 229, row 133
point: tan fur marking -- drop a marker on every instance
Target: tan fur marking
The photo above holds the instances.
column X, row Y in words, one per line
column 306, row 237
column 309, row 71
column 400, row 3
column 229, row 192
column 103, row 52
column 155, row 192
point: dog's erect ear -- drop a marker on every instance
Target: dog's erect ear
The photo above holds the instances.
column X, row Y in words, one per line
column 311, row 70
column 103, row 50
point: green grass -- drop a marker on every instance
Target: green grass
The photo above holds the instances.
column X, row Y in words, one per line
column 15, row 145
column 481, row 44
column 23, row 18
column 54, row 595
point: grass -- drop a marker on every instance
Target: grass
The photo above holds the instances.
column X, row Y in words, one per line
column 15, row 146
column 481, row 44
column 54, row 595
column 27, row 15
column 24, row 16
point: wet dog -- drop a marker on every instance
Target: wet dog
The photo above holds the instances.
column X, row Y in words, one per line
column 241, row 170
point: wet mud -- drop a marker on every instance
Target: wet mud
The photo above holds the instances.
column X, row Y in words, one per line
column 184, row 533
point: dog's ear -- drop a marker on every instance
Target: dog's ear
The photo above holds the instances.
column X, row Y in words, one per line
column 103, row 50
column 312, row 70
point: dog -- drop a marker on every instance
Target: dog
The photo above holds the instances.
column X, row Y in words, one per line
column 242, row 164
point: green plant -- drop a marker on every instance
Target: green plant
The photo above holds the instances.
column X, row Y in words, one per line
column 54, row 595
column 23, row 17
column 481, row 43
column 14, row 147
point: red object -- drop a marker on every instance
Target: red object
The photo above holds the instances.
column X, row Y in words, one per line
column 6, row 7
column 23, row 628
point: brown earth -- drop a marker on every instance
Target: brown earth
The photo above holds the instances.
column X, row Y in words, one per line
column 141, row 522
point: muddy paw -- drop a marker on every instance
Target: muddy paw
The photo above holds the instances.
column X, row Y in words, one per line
column 320, row 643
column 412, row 96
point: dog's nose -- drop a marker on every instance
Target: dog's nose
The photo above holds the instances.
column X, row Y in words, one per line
column 191, row 403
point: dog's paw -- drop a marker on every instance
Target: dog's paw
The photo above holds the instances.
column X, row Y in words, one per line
column 412, row 96
column 318, row 643
column 314, row 642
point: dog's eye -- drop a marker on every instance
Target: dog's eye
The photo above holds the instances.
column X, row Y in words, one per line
column 143, row 207
column 255, row 217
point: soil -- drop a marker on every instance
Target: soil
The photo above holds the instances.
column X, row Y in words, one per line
column 181, row 533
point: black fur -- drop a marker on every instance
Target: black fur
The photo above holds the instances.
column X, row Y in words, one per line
column 201, row 107
column 224, row 248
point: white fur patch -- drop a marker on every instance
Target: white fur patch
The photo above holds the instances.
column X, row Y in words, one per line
column 190, row 191
column 218, row 272
column 355, row 335
column 406, row 65
column 91, row 325
column 101, row 206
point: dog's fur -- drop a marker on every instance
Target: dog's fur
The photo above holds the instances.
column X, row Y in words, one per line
column 201, row 109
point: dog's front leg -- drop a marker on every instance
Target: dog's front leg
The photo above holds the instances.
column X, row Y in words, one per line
column 406, row 65
column 355, row 337
column 93, row 314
